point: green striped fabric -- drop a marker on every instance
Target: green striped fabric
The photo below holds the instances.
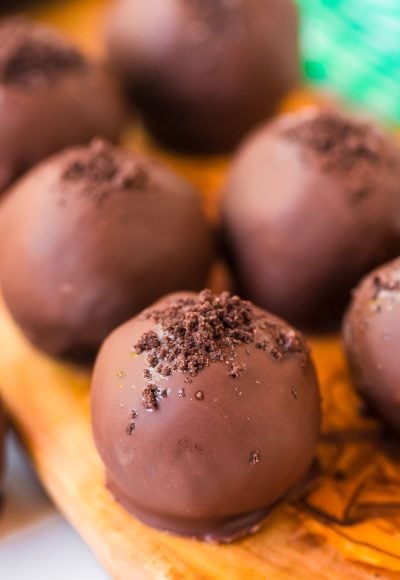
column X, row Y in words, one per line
column 353, row 48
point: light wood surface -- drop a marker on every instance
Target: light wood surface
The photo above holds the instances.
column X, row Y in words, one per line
column 347, row 527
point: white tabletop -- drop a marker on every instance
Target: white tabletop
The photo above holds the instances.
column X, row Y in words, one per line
column 36, row 542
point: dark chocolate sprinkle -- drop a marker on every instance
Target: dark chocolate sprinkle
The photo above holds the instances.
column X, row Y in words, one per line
column 237, row 370
column 388, row 281
column 149, row 396
column 130, row 427
column 254, row 457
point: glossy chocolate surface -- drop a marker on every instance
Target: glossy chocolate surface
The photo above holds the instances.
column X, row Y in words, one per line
column 371, row 335
column 51, row 96
column 91, row 237
column 312, row 203
column 204, row 72
column 205, row 411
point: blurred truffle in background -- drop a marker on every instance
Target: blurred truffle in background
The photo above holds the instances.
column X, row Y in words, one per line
column 372, row 340
column 51, row 96
column 312, row 203
column 94, row 235
column 204, row 72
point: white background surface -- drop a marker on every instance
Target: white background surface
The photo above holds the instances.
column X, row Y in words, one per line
column 36, row 542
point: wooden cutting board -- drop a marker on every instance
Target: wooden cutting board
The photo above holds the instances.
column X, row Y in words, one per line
column 347, row 527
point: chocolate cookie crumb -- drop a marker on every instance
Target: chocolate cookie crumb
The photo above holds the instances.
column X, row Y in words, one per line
column 282, row 342
column 387, row 281
column 254, row 457
column 33, row 55
column 101, row 168
column 205, row 329
column 130, row 427
column 237, row 370
column 149, row 396
column 344, row 146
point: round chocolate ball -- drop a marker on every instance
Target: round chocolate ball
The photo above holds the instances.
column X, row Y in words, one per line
column 371, row 333
column 51, row 96
column 312, row 203
column 93, row 235
column 204, row 72
column 205, row 411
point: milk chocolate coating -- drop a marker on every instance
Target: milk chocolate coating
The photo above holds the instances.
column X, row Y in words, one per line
column 206, row 455
column 51, row 96
column 204, row 72
column 312, row 203
column 92, row 236
column 371, row 333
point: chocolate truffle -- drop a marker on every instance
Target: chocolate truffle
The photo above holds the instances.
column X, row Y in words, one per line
column 92, row 236
column 206, row 413
column 204, row 72
column 371, row 333
column 312, row 203
column 51, row 96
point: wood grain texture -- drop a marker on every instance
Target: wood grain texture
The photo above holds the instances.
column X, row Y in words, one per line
column 347, row 527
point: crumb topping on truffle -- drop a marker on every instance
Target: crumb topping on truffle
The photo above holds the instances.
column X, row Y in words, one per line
column 193, row 332
column 343, row 146
column 387, row 280
column 32, row 54
column 101, row 168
